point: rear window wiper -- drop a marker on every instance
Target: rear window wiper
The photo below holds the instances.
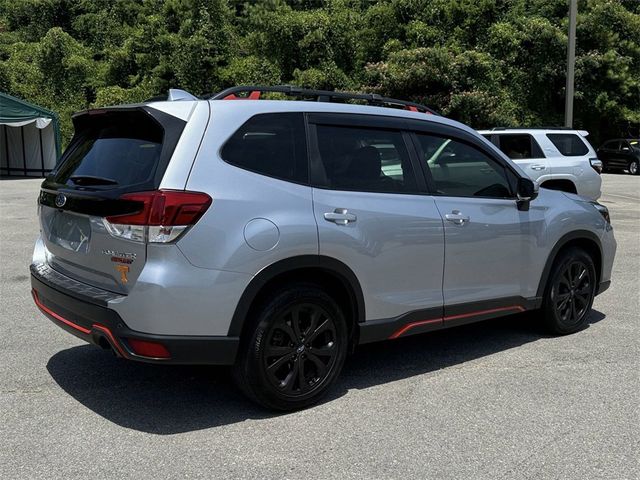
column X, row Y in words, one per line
column 91, row 180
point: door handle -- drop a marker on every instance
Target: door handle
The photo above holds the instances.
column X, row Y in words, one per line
column 340, row 216
column 456, row 217
column 538, row 167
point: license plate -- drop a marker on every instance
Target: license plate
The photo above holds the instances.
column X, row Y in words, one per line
column 72, row 232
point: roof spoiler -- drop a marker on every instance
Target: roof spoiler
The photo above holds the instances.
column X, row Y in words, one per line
column 174, row 95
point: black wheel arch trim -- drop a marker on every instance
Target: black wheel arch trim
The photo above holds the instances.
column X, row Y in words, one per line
column 291, row 264
column 562, row 242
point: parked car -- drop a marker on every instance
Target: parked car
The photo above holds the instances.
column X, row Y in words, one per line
column 276, row 236
column 558, row 159
column 620, row 154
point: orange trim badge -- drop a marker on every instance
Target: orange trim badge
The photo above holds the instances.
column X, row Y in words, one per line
column 123, row 269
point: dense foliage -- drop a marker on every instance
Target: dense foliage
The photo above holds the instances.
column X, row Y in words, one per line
column 484, row 62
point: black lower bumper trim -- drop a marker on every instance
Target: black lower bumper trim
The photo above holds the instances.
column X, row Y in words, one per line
column 97, row 325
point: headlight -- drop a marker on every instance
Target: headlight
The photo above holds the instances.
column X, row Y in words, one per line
column 604, row 211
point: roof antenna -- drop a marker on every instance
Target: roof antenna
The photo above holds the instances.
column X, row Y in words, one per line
column 175, row 94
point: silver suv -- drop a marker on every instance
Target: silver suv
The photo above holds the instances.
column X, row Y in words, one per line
column 557, row 158
column 275, row 235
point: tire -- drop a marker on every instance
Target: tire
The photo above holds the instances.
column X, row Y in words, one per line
column 569, row 292
column 294, row 350
column 634, row 167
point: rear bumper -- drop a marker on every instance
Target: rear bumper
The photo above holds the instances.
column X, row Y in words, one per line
column 85, row 317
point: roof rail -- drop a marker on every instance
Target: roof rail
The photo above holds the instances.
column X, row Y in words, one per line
column 253, row 92
column 532, row 128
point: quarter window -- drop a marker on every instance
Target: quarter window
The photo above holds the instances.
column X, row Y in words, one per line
column 271, row 144
column 568, row 144
column 365, row 159
column 460, row 170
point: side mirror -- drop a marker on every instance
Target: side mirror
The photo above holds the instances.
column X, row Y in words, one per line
column 527, row 190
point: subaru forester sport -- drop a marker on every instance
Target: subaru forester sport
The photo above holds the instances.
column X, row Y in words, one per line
column 277, row 235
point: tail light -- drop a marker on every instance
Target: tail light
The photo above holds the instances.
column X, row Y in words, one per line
column 596, row 163
column 163, row 215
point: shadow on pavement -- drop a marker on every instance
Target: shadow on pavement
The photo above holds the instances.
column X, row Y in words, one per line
column 173, row 399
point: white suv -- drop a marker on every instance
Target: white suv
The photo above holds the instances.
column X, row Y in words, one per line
column 558, row 159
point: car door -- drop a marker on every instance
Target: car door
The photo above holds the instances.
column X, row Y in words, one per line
column 606, row 153
column 373, row 215
column 488, row 241
column 626, row 154
column 524, row 150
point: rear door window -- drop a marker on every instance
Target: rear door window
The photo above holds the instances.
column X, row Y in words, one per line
column 613, row 145
column 568, row 144
column 365, row 159
column 271, row 144
column 519, row 146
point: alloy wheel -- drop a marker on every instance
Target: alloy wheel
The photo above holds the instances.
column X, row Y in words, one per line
column 300, row 350
column 572, row 293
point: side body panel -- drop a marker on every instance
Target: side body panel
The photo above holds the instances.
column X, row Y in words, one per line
column 395, row 248
column 254, row 220
column 495, row 253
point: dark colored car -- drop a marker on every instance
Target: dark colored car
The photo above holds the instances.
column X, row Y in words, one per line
column 620, row 154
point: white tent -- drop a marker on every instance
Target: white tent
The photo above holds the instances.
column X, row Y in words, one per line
column 29, row 138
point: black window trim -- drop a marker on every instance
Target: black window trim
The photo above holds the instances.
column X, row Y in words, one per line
column 367, row 121
column 305, row 139
column 459, row 135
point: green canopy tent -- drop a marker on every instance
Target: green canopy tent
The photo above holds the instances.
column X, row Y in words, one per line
column 29, row 138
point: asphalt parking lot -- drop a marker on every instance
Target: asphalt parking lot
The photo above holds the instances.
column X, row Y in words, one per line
column 486, row 401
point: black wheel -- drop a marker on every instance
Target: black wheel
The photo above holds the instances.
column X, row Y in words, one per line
column 295, row 351
column 570, row 292
column 633, row 167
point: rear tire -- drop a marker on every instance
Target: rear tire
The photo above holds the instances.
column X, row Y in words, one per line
column 634, row 167
column 570, row 292
column 295, row 349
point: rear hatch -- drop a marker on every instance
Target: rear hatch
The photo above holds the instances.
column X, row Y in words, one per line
column 114, row 153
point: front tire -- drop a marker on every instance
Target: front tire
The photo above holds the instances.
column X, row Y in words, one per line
column 570, row 292
column 634, row 167
column 296, row 350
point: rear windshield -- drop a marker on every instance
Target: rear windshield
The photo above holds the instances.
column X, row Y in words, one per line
column 113, row 150
column 568, row 144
